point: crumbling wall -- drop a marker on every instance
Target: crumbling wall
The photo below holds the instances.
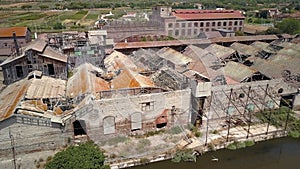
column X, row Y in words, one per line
column 151, row 107
column 30, row 138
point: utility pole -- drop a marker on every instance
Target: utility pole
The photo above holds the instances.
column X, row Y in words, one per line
column 12, row 141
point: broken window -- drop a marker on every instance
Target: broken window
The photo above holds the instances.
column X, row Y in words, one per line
column 19, row 70
column 109, row 126
column 147, row 106
column 50, row 69
column 79, row 127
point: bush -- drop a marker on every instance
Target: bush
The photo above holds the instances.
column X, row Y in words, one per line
column 84, row 156
column 249, row 143
column 198, row 134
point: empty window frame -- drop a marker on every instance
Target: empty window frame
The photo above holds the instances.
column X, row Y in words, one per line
column 147, row 106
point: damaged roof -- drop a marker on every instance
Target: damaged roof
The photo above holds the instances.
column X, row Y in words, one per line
column 130, row 79
column 175, row 57
column 274, row 66
column 117, row 60
column 84, row 80
column 237, row 71
column 43, row 49
column 148, row 59
column 11, row 96
column 220, row 51
column 46, row 87
column 243, row 49
column 197, row 65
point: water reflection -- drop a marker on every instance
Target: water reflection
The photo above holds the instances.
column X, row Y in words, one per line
column 283, row 153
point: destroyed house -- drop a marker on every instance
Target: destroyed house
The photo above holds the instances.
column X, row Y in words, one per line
column 36, row 56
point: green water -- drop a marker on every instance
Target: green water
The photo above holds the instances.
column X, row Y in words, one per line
column 283, row 153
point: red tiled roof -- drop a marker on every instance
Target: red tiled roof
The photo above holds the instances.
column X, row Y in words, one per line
column 207, row 14
column 8, row 32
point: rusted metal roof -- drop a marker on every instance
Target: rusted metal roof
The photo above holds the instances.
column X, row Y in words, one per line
column 243, row 38
column 118, row 60
column 84, row 80
column 8, row 32
column 130, row 79
column 11, row 96
column 173, row 56
column 237, row 71
column 194, row 14
column 243, row 49
column 220, row 51
column 46, row 87
column 152, row 44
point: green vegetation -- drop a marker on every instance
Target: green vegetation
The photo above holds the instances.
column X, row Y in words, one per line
column 78, row 15
column 238, row 145
column 280, row 117
column 92, row 16
column 83, row 156
column 116, row 140
column 184, row 155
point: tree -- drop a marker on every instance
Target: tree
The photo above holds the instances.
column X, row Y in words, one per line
column 26, row 7
column 58, row 25
column 84, row 156
column 289, row 25
column 43, row 7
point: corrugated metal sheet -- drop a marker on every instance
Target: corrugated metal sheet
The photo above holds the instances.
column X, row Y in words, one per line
column 85, row 81
column 260, row 45
column 197, row 65
column 130, row 79
column 243, row 49
column 220, row 51
column 274, row 66
column 118, row 60
column 175, row 57
column 243, row 38
column 238, row 71
column 46, row 87
column 11, row 96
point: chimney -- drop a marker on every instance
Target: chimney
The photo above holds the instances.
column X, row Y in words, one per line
column 16, row 43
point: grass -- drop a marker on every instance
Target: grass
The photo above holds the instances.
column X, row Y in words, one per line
column 278, row 118
column 92, row 16
column 78, row 15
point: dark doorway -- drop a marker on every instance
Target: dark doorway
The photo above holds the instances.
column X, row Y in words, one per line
column 287, row 101
column 50, row 69
column 19, row 71
column 161, row 125
column 79, row 127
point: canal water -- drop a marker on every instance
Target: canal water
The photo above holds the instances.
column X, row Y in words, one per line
column 282, row 153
